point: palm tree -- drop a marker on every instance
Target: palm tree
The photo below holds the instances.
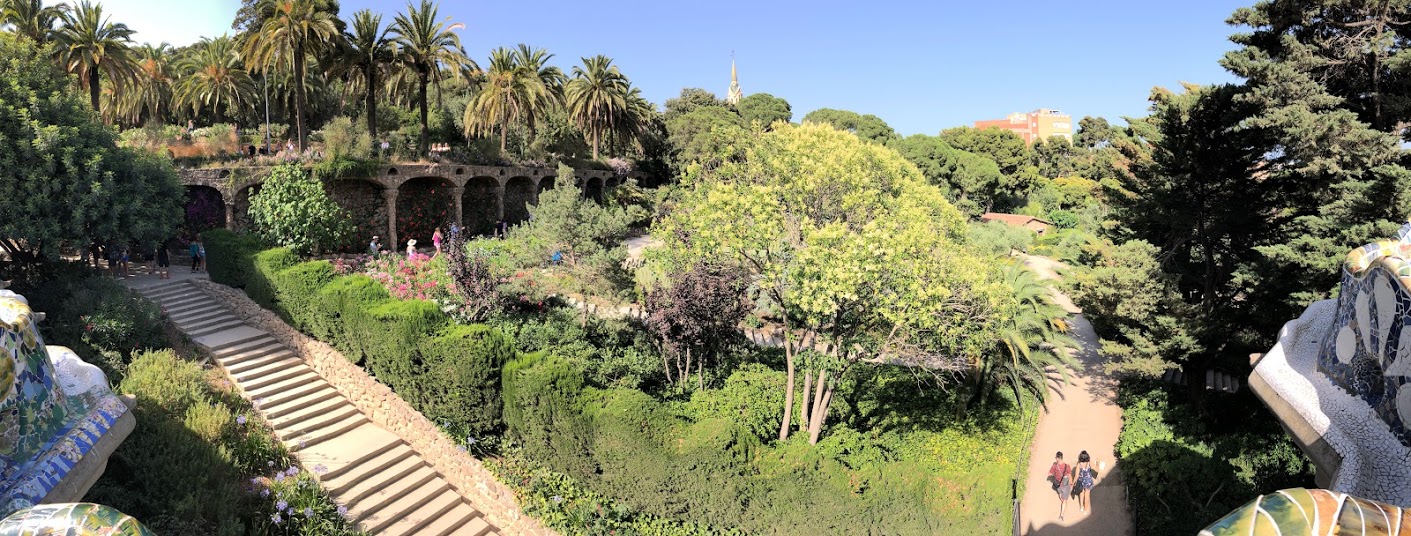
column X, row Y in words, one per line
column 536, row 61
column 1033, row 340
column 151, row 96
column 91, row 46
column 429, row 48
column 31, row 18
column 214, row 77
column 369, row 51
column 596, row 98
column 293, row 29
column 509, row 91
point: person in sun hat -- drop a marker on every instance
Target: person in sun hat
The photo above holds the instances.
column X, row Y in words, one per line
column 411, row 249
column 374, row 247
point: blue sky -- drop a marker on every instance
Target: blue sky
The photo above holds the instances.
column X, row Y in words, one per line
column 921, row 66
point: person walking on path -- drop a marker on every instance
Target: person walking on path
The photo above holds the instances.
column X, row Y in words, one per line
column 436, row 241
column 163, row 262
column 201, row 250
column 195, row 251
column 1061, row 474
column 124, row 258
column 1085, row 482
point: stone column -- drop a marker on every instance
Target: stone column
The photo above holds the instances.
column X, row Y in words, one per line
column 499, row 202
column 457, row 195
column 230, row 215
column 390, row 194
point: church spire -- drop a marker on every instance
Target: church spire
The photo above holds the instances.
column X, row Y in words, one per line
column 734, row 95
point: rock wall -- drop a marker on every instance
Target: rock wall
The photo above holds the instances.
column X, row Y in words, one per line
column 386, row 409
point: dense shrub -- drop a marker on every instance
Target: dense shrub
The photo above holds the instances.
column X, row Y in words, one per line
column 188, row 466
column 541, row 412
column 293, row 210
column 230, row 256
column 1000, row 238
column 344, row 296
column 299, row 287
column 1185, row 469
column 459, row 381
column 389, row 333
column 752, row 398
column 260, row 283
column 104, row 322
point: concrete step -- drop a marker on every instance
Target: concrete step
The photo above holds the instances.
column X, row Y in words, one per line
column 214, row 328
column 281, row 399
column 373, row 480
column 416, row 521
column 168, row 291
column 277, row 372
column 241, row 368
column 473, row 524
column 395, row 501
column 185, row 305
column 460, row 520
column 280, row 381
column 197, row 314
column 360, row 446
column 211, row 325
column 232, row 338
column 228, row 350
column 306, row 428
column 327, row 431
column 293, row 418
column 272, row 411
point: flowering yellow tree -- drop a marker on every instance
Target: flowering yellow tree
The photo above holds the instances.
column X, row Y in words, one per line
column 861, row 259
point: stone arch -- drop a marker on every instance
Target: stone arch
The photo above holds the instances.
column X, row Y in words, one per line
column 593, row 189
column 423, row 204
column 364, row 201
column 520, row 192
column 391, row 171
column 204, row 209
column 242, row 205
column 460, row 171
column 546, row 183
column 480, row 204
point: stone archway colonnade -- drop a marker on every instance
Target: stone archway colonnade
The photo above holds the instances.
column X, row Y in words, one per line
column 496, row 192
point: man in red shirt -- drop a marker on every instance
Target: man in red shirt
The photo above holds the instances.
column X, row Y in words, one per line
column 1056, row 473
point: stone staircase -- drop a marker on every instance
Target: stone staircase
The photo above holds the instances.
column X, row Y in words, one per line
column 386, row 486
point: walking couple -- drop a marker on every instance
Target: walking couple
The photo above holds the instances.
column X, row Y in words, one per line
column 1070, row 481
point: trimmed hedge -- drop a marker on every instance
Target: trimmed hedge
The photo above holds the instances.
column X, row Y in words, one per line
column 450, row 373
column 230, row 257
column 459, row 379
column 541, row 412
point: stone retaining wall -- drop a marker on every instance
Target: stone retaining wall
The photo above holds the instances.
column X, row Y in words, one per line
column 386, row 409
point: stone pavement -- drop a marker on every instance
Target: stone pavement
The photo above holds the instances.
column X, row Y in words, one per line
column 387, row 487
column 1082, row 415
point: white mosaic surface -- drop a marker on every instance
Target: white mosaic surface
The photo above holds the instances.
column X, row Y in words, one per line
column 1375, row 464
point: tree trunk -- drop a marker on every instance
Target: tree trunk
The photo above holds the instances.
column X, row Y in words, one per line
column 425, row 132
column 788, row 388
column 301, row 99
column 595, row 143
column 371, row 73
column 94, row 90
column 804, row 414
column 686, row 373
column 666, row 365
column 700, row 369
column 820, row 414
column 504, row 133
column 816, row 412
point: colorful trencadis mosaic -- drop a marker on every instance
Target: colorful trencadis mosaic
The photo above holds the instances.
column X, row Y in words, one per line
column 54, row 408
column 1367, row 351
column 71, row 519
column 1308, row 512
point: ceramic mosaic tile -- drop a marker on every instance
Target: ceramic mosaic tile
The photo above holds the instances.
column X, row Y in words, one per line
column 1299, row 512
column 76, row 519
column 43, row 431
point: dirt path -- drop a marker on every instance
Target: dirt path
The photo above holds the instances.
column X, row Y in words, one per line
column 1082, row 415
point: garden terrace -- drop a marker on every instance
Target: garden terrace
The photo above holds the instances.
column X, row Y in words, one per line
column 426, row 195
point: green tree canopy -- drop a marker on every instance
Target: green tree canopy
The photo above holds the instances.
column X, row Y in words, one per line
column 62, row 175
column 764, row 108
column 691, row 99
column 851, row 244
column 701, row 134
column 293, row 210
column 867, row 127
column 970, row 181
